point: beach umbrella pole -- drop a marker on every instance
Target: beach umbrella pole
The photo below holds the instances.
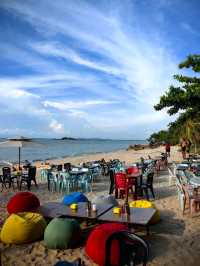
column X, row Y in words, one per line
column 19, row 156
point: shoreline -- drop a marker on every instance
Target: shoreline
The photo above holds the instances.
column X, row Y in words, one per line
column 129, row 156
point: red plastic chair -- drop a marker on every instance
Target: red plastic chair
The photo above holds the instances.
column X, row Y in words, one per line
column 122, row 185
column 133, row 170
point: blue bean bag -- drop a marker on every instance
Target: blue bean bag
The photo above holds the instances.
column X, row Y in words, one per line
column 74, row 197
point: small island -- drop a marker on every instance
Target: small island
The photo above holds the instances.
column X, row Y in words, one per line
column 67, row 138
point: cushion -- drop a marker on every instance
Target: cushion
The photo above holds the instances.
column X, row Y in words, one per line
column 23, row 202
column 62, row 233
column 105, row 200
column 96, row 243
column 23, row 228
column 74, row 197
column 147, row 204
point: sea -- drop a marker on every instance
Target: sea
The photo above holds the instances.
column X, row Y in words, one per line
column 58, row 148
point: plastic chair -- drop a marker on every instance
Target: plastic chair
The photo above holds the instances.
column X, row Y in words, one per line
column 132, row 170
column 122, row 185
column 44, row 175
column 192, row 197
column 133, row 249
column 171, row 176
column 64, row 182
column 53, row 181
column 7, row 178
column 148, row 185
column 181, row 196
column 29, row 176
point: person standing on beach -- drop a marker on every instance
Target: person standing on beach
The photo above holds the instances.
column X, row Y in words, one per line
column 168, row 148
column 183, row 145
column 189, row 144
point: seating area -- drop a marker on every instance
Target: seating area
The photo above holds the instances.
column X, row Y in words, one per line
column 72, row 221
column 10, row 177
column 188, row 183
column 109, row 241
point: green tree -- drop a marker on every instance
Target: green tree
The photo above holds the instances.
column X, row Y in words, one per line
column 185, row 100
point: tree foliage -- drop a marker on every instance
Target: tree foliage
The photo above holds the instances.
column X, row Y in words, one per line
column 184, row 100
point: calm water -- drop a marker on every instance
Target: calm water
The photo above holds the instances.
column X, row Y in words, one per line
column 61, row 148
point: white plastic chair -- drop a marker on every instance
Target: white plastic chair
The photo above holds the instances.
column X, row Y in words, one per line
column 171, row 177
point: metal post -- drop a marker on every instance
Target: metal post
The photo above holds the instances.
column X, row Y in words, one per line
column 19, row 156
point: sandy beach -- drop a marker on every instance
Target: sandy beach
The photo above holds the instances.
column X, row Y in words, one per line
column 174, row 241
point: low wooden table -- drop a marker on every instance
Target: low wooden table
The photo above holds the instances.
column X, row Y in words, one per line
column 137, row 217
column 56, row 209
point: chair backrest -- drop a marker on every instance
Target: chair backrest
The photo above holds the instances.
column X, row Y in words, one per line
column 170, row 172
column 120, row 180
column 186, row 192
column 132, row 170
column 59, row 167
column 6, row 171
column 67, row 166
column 133, row 249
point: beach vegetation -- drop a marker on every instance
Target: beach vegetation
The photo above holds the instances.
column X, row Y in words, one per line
column 182, row 100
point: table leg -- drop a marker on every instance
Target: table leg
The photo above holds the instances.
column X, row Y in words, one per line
column 147, row 230
column 136, row 190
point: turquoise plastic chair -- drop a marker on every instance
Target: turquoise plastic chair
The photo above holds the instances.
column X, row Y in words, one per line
column 85, row 182
column 66, row 182
column 53, row 181
column 44, row 175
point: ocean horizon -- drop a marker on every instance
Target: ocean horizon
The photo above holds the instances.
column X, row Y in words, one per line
column 53, row 148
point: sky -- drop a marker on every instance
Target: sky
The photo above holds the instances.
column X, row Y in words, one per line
column 91, row 68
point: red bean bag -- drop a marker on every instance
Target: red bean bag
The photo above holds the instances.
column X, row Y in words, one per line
column 23, row 202
column 96, row 243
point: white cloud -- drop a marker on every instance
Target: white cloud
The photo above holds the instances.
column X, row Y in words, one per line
column 56, row 127
column 67, row 105
column 117, row 71
column 189, row 28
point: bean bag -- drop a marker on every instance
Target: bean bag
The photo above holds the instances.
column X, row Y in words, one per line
column 146, row 204
column 62, row 233
column 24, row 227
column 96, row 243
column 74, row 197
column 23, row 202
column 105, row 200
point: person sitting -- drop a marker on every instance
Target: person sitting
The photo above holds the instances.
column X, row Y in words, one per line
column 189, row 144
column 183, row 145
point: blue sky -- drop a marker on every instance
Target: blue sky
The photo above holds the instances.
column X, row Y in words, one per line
column 91, row 68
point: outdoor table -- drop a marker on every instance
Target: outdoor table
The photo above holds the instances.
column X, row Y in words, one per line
column 56, row 209
column 195, row 181
column 78, row 172
column 182, row 167
column 137, row 217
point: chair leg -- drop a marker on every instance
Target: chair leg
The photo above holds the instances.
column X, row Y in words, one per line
column 116, row 193
column 146, row 193
column 152, row 192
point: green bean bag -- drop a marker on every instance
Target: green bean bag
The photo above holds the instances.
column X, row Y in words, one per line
column 24, row 227
column 62, row 233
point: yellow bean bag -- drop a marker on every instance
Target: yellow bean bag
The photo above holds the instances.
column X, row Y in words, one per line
column 24, row 227
column 146, row 204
